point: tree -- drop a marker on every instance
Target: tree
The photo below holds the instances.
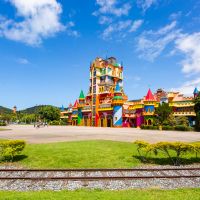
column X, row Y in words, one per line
column 28, row 118
column 171, row 120
column 49, row 113
column 182, row 120
column 197, row 110
column 163, row 112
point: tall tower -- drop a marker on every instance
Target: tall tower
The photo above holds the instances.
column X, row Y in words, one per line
column 104, row 76
column 14, row 109
column 94, row 87
column 196, row 92
column 117, row 103
column 80, row 107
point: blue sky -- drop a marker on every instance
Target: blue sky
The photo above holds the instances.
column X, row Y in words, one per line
column 46, row 47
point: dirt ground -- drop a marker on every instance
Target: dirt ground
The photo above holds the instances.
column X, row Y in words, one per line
column 70, row 133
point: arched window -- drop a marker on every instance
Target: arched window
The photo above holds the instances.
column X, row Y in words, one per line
column 149, row 122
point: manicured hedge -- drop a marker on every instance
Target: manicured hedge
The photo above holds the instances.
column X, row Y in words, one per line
column 149, row 127
column 167, row 127
column 173, row 150
column 182, row 128
column 9, row 149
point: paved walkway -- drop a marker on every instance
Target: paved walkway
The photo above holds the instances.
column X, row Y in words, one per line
column 69, row 133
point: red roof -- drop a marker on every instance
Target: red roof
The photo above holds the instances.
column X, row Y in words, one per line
column 75, row 104
column 149, row 96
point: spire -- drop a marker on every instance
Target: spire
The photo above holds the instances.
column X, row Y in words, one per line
column 149, row 96
column 62, row 108
column 81, row 96
column 196, row 91
column 75, row 104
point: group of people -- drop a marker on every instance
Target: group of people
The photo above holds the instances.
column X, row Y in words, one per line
column 40, row 124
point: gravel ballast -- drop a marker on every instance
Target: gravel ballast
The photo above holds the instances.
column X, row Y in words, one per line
column 56, row 185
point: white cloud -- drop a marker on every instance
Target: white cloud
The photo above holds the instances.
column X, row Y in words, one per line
column 70, row 31
column 150, row 44
column 23, row 61
column 136, row 24
column 105, row 20
column 189, row 44
column 122, row 28
column 114, row 14
column 175, row 16
column 146, row 4
column 117, row 27
column 112, row 7
column 188, row 87
column 36, row 20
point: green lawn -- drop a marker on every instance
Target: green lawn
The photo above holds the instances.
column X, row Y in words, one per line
column 82, row 154
column 85, row 154
column 181, row 194
column 4, row 129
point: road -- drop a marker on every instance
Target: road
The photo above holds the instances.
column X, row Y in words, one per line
column 70, row 133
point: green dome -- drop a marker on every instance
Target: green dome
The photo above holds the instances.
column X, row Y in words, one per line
column 118, row 98
column 117, row 65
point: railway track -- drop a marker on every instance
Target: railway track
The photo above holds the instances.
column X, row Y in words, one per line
column 98, row 174
column 29, row 179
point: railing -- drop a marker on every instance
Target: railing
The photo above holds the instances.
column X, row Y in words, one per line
column 189, row 104
column 184, row 113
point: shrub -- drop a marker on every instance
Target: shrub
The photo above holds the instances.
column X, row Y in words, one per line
column 62, row 123
column 169, row 149
column 196, row 148
column 3, row 124
column 182, row 128
column 9, row 149
column 142, row 146
column 55, row 123
column 182, row 120
column 167, row 127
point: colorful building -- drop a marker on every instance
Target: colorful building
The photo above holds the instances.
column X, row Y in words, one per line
column 106, row 104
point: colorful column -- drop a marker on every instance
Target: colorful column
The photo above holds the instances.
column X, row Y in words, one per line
column 117, row 117
column 117, row 103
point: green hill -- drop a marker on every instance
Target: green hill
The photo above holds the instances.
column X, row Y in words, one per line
column 5, row 110
column 32, row 110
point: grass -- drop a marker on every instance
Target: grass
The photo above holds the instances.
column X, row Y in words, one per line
column 182, row 194
column 87, row 154
column 4, row 129
column 82, row 154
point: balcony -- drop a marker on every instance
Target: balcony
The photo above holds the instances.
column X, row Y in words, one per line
column 184, row 113
column 188, row 104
